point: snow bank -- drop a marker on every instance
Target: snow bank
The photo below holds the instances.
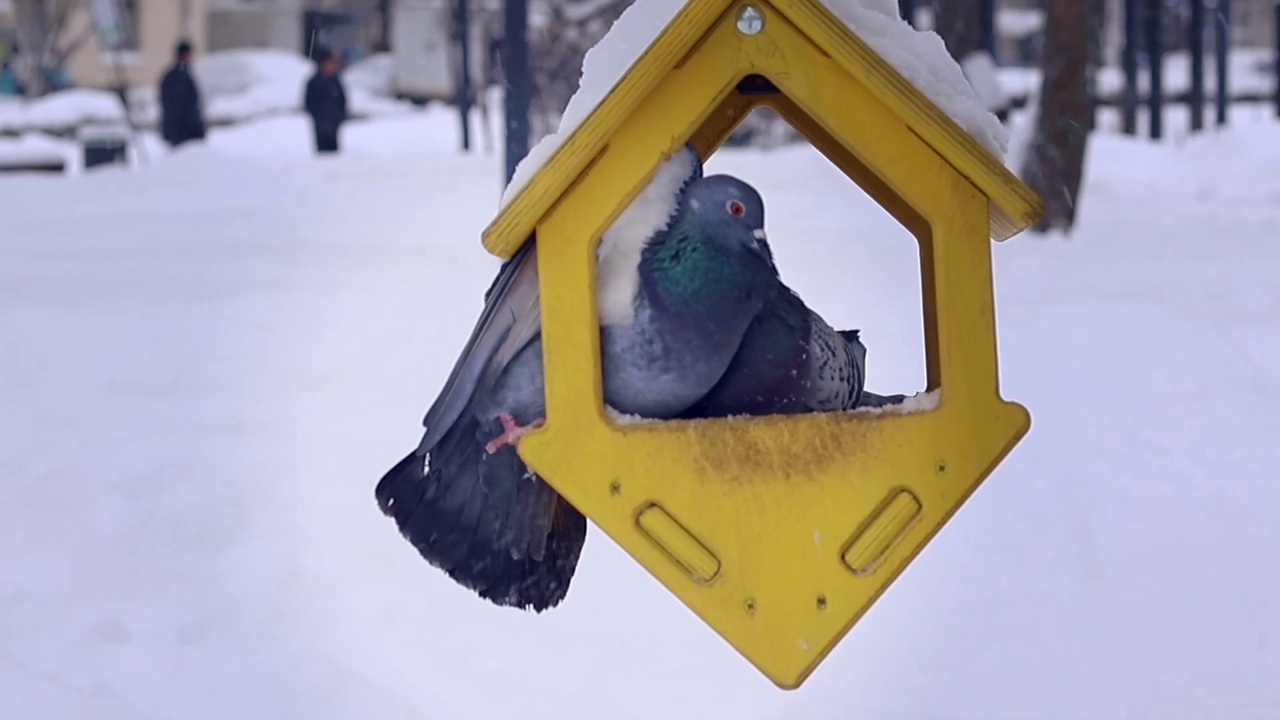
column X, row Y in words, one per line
column 243, row 84
column 61, row 111
column 12, row 112
column 36, row 149
column 920, row 56
column 374, row 74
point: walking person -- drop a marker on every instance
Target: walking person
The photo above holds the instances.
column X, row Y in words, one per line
column 182, row 120
column 326, row 101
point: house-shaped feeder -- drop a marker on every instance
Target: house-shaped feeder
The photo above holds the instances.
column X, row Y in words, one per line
column 779, row 531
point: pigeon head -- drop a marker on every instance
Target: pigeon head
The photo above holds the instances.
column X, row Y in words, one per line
column 731, row 211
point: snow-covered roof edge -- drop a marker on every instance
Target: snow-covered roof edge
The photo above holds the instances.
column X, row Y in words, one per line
column 919, row 55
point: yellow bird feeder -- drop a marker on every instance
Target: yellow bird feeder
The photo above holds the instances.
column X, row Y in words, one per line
column 778, row 531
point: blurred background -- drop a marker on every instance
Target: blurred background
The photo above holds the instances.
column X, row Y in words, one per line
column 239, row 253
column 67, row 57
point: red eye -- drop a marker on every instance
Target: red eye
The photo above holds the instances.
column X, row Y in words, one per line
column 736, row 208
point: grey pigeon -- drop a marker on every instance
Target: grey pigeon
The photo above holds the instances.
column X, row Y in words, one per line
column 464, row 498
column 791, row 361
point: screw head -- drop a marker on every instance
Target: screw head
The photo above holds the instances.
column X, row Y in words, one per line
column 750, row 20
column 615, row 488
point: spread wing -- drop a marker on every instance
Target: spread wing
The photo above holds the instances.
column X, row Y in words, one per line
column 511, row 318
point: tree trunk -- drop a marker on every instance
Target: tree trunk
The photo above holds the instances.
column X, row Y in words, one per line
column 1055, row 165
column 959, row 24
column 33, row 35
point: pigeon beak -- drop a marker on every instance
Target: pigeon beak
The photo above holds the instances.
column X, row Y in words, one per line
column 760, row 244
column 762, row 238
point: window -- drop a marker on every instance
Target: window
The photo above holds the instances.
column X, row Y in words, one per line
column 116, row 23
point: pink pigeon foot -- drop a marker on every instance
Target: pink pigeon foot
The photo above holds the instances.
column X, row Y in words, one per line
column 511, row 432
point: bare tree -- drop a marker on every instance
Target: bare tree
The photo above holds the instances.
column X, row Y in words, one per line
column 560, row 34
column 959, row 23
column 43, row 39
column 1054, row 167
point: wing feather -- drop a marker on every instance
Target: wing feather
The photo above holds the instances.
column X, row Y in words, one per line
column 511, row 318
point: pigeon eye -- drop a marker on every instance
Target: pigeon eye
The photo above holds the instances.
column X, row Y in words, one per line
column 736, row 208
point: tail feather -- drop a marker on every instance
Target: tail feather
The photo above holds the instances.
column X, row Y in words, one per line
column 487, row 522
column 870, row 399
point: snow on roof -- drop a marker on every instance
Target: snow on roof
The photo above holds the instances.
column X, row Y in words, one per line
column 920, row 56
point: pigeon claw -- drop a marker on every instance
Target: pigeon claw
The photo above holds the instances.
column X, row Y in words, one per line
column 511, row 432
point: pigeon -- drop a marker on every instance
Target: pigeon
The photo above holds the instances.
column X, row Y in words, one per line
column 791, row 361
column 674, row 305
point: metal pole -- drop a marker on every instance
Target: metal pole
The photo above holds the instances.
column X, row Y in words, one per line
column 989, row 27
column 907, row 10
column 1155, row 63
column 462, row 28
column 384, row 25
column 1129, row 59
column 1221, row 51
column 519, row 82
column 1196, row 46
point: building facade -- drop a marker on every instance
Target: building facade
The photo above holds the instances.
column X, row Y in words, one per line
column 156, row 28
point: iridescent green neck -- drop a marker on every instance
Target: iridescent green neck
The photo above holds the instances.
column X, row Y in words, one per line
column 686, row 270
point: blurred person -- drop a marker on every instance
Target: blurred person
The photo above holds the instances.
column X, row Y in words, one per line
column 9, row 82
column 181, row 117
column 326, row 101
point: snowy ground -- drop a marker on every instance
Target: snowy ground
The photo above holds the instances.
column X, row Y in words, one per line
column 205, row 365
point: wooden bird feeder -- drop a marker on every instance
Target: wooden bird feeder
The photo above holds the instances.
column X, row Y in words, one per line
column 778, row 531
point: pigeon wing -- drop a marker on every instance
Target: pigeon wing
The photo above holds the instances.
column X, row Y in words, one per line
column 511, row 318
column 836, row 367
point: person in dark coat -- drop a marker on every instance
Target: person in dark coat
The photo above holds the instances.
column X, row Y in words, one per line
column 326, row 101
column 181, row 117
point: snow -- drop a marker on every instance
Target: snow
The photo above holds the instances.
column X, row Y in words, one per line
column 245, row 84
column 923, row 60
column 914, row 403
column 208, row 364
column 1019, row 22
column 980, row 70
column 61, row 111
column 920, row 56
column 31, row 149
column 620, row 418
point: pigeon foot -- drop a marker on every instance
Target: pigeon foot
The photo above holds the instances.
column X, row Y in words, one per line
column 511, row 432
